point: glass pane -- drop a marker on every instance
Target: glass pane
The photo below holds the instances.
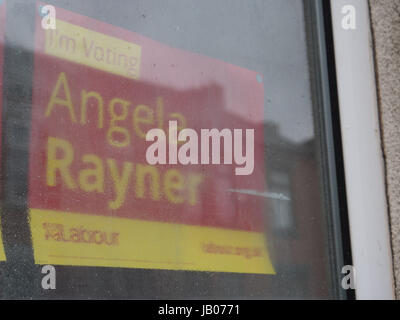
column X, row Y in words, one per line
column 235, row 209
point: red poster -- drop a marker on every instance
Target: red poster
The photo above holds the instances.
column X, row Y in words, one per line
column 94, row 199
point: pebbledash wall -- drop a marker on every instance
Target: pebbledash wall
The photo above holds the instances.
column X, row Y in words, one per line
column 385, row 17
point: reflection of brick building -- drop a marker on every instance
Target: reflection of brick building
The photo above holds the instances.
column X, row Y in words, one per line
column 293, row 217
column 296, row 226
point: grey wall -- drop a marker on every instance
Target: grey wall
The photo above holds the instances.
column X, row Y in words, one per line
column 386, row 31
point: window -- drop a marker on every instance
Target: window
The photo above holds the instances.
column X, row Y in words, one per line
column 79, row 192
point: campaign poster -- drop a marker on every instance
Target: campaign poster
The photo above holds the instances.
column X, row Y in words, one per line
column 94, row 199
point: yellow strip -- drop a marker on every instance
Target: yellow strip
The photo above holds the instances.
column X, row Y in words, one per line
column 94, row 49
column 2, row 253
column 58, row 239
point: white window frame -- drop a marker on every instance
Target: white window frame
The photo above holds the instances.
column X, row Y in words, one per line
column 362, row 153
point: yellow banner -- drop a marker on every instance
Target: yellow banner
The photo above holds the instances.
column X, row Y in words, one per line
column 63, row 238
column 2, row 253
column 94, row 49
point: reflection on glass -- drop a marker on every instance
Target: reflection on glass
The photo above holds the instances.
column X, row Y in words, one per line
column 109, row 73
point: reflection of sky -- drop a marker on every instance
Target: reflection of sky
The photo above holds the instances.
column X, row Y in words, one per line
column 266, row 36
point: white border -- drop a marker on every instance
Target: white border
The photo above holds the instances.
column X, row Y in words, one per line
column 363, row 158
